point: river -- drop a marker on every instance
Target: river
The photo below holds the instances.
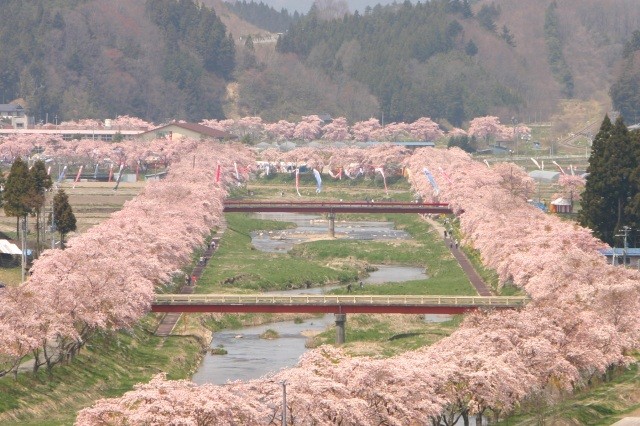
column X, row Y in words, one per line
column 249, row 356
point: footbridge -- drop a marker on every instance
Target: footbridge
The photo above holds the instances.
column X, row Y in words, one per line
column 340, row 305
column 333, row 208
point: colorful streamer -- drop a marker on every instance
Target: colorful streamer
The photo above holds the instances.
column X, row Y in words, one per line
column 432, row 181
column 316, row 173
column 62, row 174
column 77, row 176
column 119, row 177
column 384, row 179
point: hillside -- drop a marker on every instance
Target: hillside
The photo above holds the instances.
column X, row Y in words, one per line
column 510, row 59
column 162, row 60
column 75, row 59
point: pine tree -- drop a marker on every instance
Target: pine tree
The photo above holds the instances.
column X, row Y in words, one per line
column 42, row 182
column 18, row 192
column 609, row 191
column 64, row 219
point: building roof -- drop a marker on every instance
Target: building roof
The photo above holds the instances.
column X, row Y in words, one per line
column 619, row 251
column 561, row 202
column 9, row 248
column 11, row 108
column 194, row 127
column 546, row 175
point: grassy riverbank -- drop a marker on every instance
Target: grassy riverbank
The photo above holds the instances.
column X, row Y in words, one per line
column 108, row 366
column 602, row 403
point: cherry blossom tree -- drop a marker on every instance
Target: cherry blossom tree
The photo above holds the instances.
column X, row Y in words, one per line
column 363, row 130
column 281, row 131
column 571, row 186
column 337, row 130
column 489, row 126
column 308, row 128
column 425, row 129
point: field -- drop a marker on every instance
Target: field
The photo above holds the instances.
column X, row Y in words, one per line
column 92, row 202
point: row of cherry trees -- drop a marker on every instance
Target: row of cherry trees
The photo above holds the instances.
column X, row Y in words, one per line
column 349, row 160
column 106, row 277
column 581, row 322
column 312, row 127
column 83, row 151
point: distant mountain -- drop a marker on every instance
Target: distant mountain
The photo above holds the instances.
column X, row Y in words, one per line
column 169, row 59
column 303, row 6
column 157, row 59
column 499, row 57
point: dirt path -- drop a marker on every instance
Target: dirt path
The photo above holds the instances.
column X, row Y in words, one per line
column 478, row 283
column 169, row 320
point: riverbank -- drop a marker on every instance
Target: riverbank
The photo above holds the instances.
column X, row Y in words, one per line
column 109, row 365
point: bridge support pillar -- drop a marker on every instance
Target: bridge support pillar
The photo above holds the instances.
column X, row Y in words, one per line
column 341, row 319
column 332, row 224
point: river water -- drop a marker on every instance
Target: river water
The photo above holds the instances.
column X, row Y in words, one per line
column 248, row 356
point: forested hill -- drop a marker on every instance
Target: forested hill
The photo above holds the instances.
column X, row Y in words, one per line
column 455, row 59
column 157, row 59
column 263, row 16
column 392, row 51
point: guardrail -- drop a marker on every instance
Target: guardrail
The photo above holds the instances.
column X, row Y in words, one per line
column 335, row 207
column 376, row 300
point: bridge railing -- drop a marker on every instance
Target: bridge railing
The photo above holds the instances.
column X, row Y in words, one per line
column 264, row 299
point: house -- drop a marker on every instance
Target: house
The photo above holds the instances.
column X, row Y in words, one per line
column 11, row 110
column 185, row 130
column 619, row 256
column 561, row 205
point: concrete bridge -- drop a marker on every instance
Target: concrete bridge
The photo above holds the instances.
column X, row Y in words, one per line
column 340, row 305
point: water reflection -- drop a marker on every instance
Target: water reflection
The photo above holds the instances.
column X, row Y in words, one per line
column 249, row 356
column 314, row 227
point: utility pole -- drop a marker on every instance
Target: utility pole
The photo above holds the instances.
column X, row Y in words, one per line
column 284, row 402
column 23, row 243
column 625, row 234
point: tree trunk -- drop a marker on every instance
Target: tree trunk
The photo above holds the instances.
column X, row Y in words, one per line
column 479, row 419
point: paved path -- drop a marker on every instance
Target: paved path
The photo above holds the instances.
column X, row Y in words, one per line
column 478, row 283
column 169, row 320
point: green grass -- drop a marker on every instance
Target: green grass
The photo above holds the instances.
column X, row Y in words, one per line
column 108, row 366
column 237, row 266
column 388, row 335
column 11, row 276
column 603, row 403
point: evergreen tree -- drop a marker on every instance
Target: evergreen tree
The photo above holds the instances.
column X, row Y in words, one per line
column 608, row 191
column 18, row 192
column 466, row 9
column 464, row 142
column 64, row 219
column 633, row 209
column 42, row 182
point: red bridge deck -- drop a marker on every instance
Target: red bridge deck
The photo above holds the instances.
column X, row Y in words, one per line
column 335, row 207
column 342, row 304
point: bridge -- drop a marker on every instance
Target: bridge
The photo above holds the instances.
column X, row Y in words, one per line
column 340, row 305
column 334, row 207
